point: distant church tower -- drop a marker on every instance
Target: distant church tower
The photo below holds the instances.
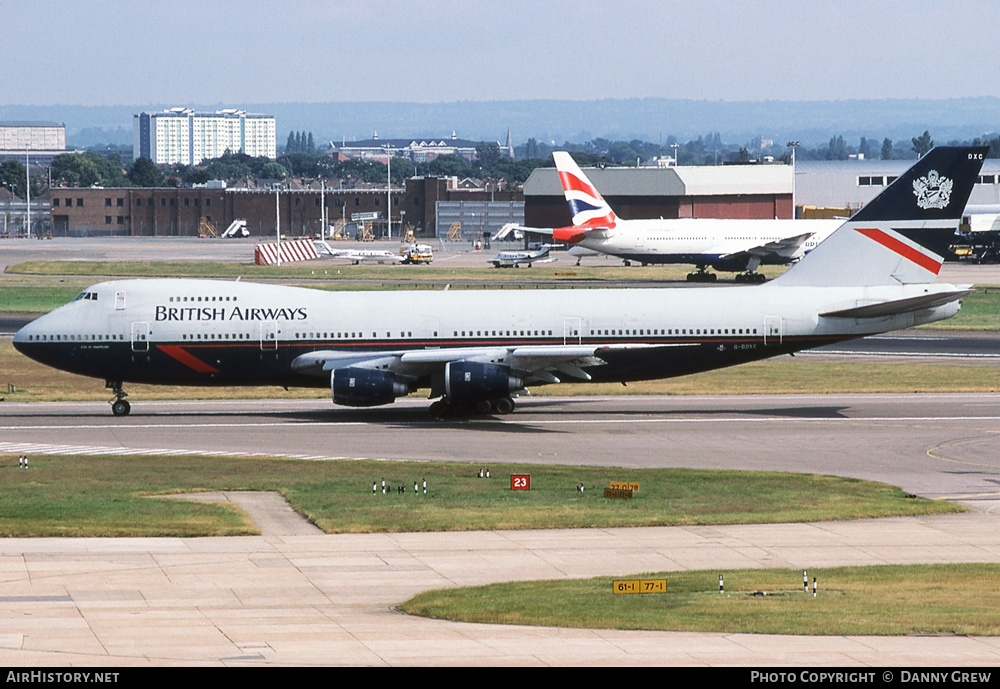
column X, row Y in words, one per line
column 509, row 146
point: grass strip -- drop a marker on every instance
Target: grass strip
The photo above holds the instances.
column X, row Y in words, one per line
column 888, row 600
column 107, row 495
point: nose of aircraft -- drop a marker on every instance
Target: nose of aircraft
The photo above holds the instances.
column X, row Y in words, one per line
column 24, row 336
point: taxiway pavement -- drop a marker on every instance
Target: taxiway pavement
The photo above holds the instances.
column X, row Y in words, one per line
column 289, row 599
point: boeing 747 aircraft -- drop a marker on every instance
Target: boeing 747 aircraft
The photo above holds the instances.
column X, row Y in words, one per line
column 474, row 350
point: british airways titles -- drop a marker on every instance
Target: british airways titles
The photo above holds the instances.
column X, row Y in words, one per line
column 223, row 313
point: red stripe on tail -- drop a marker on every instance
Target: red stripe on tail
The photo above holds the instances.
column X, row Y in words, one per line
column 904, row 250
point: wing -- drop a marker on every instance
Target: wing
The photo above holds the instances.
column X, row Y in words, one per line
column 786, row 248
column 535, row 363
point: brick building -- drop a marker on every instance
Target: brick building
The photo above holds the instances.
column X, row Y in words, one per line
column 173, row 212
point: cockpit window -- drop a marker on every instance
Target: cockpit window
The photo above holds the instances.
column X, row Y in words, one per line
column 86, row 295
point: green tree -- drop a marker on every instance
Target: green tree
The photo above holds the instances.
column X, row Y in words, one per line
column 196, row 175
column 144, row 173
column 488, row 154
column 449, row 166
column 272, row 170
column 12, row 177
column 922, row 144
column 886, row 149
column 75, row 170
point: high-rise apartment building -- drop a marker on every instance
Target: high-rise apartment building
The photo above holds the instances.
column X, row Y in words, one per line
column 181, row 135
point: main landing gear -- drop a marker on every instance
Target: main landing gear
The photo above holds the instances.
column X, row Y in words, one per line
column 702, row 275
column 119, row 406
column 443, row 409
column 751, row 276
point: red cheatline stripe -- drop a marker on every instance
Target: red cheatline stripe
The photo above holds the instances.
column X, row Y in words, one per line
column 192, row 362
column 904, row 250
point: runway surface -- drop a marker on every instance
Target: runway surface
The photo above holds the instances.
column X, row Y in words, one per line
column 933, row 445
column 293, row 599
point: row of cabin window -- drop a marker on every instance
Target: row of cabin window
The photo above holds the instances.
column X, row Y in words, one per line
column 202, row 299
column 220, row 336
column 76, row 338
column 611, row 332
column 544, row 333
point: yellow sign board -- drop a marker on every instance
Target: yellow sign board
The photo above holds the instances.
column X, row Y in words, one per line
column 639, row 586
column 624, row 485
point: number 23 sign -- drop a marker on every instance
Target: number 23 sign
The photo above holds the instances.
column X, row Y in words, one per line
column 520, row 481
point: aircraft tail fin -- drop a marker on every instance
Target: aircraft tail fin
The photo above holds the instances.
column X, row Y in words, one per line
column 586, row 204
column 901, row 235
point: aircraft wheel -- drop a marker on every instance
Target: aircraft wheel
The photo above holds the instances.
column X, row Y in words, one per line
column 483, row 407
column 120, row 408
column 438, row 409
column 504, row 405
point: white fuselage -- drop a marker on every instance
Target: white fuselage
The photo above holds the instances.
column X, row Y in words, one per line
column 705, row 241
column 226, row 332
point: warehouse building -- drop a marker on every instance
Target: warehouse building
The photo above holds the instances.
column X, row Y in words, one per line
column 850, row 184
column 42, row 141
column 728, row 191
column 186, row 212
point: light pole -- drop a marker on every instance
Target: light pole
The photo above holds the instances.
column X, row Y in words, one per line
column 27, row 193
column 793, row 145
column 388, row 191
column 675, row 146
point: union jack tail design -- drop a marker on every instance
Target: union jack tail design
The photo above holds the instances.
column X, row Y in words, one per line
column 586, row 205
column 900, row 236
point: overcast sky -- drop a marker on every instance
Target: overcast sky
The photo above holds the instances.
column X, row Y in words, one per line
column 110, row 52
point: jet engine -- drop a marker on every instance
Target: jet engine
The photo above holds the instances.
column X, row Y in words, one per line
column 362, row 387
column 468, row 382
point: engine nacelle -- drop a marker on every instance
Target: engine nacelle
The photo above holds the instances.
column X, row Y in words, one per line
column 468, row 382
column 362, row 387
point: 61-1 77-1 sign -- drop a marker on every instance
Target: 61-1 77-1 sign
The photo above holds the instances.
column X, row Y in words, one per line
column 639, row 586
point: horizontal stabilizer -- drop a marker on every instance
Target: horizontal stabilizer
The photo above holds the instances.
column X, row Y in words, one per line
column 898, row 306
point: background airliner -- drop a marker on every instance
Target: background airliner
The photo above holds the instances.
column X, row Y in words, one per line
column 474, row 349
column 723, row 244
